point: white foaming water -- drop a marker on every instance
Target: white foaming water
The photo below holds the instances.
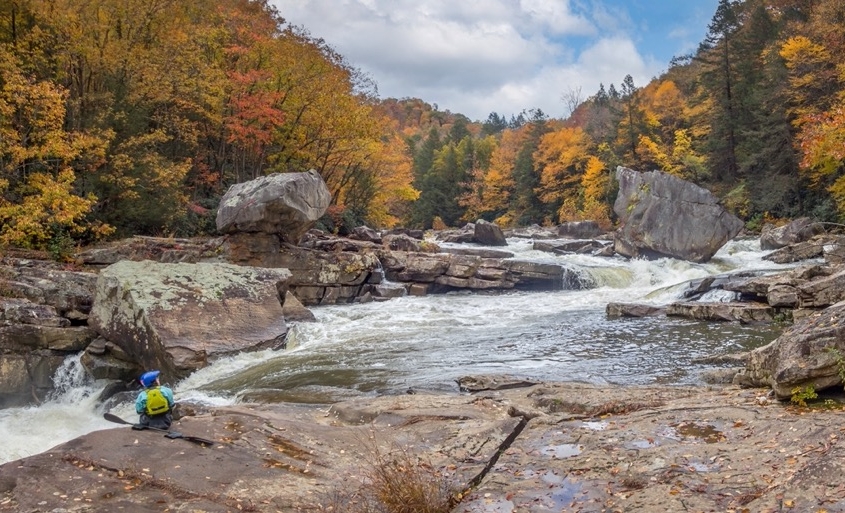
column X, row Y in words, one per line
column 68, row 414
column 419, row 342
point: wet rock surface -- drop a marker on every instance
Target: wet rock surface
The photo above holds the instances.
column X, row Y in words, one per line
column 532, row 447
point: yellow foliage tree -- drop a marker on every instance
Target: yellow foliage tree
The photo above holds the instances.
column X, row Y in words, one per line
column 382, row 189
column 474, row 199
column 37, row 201
column 562, row 157
column 812, row 77
column 595, row 180
column 493, row 188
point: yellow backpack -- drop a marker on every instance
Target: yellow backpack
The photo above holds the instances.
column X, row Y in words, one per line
column 156, row 402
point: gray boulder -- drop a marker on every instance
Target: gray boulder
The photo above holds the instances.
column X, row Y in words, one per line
column 834, row 253
column 105, row 360
column 799, row 230
column 805, row 250
column 810, row 352
column 294, row 310
column 69, row 292
column 665, row 216
column 488, row 234
column 286, row 204
column 365, row 233
column 579, row 229
column 176, row 317
column 402, row 242
column 463, row 235
column 535, row 231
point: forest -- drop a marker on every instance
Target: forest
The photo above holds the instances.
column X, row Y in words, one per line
column 133, row 117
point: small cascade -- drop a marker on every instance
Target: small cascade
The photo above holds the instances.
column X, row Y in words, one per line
column 71, row 410
column 616, row 277
column 71, row 382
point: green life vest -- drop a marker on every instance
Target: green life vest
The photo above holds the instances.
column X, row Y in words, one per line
column 156, row 402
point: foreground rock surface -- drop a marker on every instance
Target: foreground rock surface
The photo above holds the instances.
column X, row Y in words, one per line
column 529, row 447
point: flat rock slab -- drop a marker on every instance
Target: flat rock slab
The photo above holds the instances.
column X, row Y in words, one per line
column 268, row 458
column 677, row 449
column 546, row 447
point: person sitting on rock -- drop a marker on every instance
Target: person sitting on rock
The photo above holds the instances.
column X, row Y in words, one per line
column 155, row 403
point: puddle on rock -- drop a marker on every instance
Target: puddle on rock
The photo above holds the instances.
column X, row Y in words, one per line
column 705, row 432
column 594, row 425
column 641, row 444
column 551, row 478
column 565, row 494
column 562, row 451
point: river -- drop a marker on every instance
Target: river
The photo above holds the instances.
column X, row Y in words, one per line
column 426, row 343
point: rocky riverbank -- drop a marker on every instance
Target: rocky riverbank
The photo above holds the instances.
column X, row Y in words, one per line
column 502, row 446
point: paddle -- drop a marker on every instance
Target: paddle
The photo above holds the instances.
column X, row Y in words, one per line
column 169, row 434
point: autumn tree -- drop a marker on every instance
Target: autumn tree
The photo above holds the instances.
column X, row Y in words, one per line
column 38, row 204
column 814, row 61
column 632, row 121
column 562, row 157
column 492, row 184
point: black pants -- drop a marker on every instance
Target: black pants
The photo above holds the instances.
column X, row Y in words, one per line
column 162, row 421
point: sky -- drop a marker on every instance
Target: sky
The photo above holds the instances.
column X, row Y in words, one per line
column 475, row 57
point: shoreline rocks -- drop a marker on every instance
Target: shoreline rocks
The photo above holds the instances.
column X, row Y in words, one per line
column 539, row 447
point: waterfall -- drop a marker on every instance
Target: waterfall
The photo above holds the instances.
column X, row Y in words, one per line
column 71, row 382
column 71, row 410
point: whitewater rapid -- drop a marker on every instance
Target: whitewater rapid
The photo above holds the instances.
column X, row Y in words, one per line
column 426, row 343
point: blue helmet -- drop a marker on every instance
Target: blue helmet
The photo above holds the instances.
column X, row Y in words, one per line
column 148, row 378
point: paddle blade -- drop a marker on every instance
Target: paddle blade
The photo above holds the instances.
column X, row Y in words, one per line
column 114, row 418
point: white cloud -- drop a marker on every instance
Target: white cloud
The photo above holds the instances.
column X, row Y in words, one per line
column 557, row 16
column 477, row 56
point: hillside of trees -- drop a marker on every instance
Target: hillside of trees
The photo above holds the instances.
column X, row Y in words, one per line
column 125, row 117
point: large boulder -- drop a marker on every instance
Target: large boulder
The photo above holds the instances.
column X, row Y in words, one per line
column 489, row 234
column 286, row 204
column 665, row 216
column 176, row 317
column 810, row 352
column 804, row 250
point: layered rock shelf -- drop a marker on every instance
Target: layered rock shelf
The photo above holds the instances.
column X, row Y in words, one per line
column 502, row 446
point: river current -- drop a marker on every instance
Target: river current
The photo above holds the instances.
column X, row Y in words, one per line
column 426, row 343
